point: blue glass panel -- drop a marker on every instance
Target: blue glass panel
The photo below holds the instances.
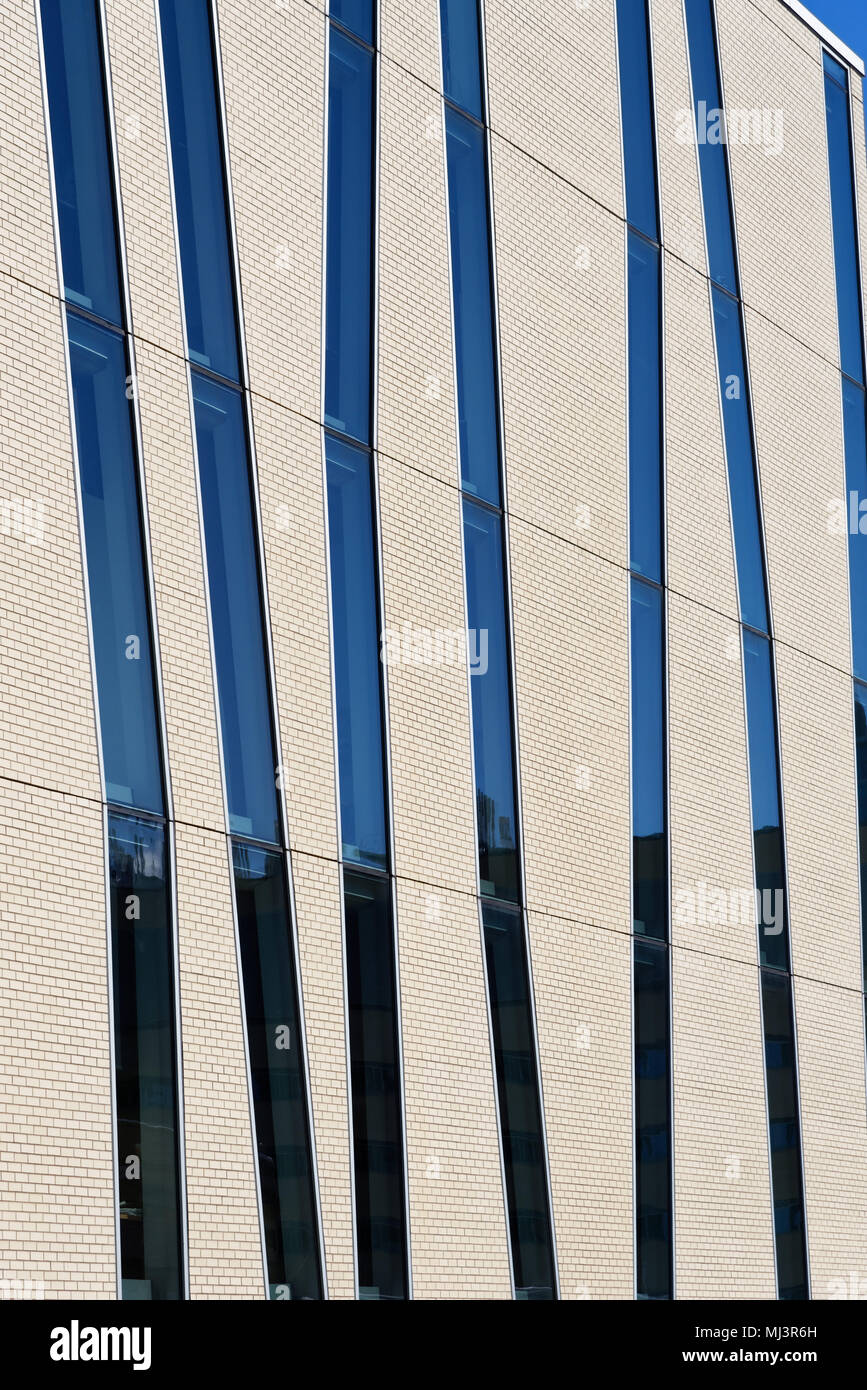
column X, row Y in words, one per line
column 645, row 409
column 236, row 611
column 518, row 1100
column 356, row 15
column 349, row 263
column 710, row 129
column 380, row 1209
column 473, row 312
column 636, row 104
column 786, row 1179
column 115, row 564
column 835, row 70
column 357, row 668
column 652, row 1122
column 861, row 763
column 277, row 1074
column 145, row 1051
column 855, row 439
column 845, row 229
column 200, row 188
column 740, row 458
column 649, row 847
column 765, row 797
column 491, row 704
column 82, row 165
column 462, row 60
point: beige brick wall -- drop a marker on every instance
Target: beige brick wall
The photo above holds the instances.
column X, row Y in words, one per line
column 680, row 193
column 582, row 982
column 144, row 173
column 457, row 1217
column 552, row 79
column 429, row 719
column 182, row 615
column 46, row 699
column 409, row 38
column 275, row 148
column 723, row 1229
column 289, row 461
column 701, row 563
column 573, row 710
column 223, row 1220
column 791, row 187
column 711, row 829
column 799, row 434
column 26, row 229
column 560, row 272
column 57, row 1205
column 724, row 1240
column 830, row 1024
column 821, row 819
column 416, row 420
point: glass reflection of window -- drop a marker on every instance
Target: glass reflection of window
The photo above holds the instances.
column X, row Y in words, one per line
column 356, row 623
column 651, row 965
column 145, row 1042
column 850, row 318
column 277, row 1071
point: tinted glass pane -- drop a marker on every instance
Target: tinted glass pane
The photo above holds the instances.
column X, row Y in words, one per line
column 740, row 459
column 765, row 794
column 376, row 1101
column 115, row 565
column 82, row 167
column 200, row 191
column 861, row 758
column 349, row 265
column 855, row 439
column 357, row 667
column 490, row 684
column 277, row 1070
column 835, row 70
column 145, row 1072
column 518, row 1097
column 652, row 1122
column 845, row 230
column 782, row 1083
column 462, row 62
column 233, row 586
column 473, row 314
column 649, row 851
column 645, row 409
column 356, row 15
column 710, row 127
column 636, row 102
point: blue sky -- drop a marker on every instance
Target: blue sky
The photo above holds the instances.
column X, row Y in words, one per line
column 846, row 18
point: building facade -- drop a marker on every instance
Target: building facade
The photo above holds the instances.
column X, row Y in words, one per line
column 433, row 672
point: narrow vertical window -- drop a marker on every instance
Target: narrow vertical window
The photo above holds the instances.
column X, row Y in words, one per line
column 350, row 468
column 144, row 1021
column 651, row 956
column 349, row 236
column 850, row 318
column 769, row 851
column 226, row 467
column 506, row 947
column 122, row 631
